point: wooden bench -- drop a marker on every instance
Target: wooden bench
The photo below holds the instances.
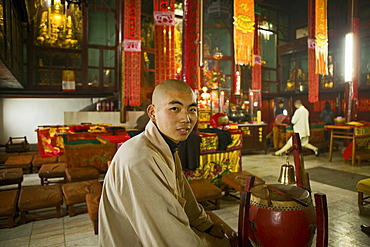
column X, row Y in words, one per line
column 363, row 187
column 40, row 197
column 363, row 154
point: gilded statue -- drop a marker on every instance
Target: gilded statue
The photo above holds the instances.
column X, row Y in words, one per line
column 57, row 29
column 295, row 75
column 327, row 80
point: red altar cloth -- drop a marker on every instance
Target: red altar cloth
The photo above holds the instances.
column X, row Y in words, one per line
column 51, row 139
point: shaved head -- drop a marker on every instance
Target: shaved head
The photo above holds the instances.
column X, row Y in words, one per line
column 169, row 85
column 174, row 109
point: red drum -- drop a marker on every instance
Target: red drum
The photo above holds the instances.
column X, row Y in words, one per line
column 281, row 215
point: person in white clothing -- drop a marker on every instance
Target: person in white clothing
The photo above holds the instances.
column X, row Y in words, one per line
column 301, row 126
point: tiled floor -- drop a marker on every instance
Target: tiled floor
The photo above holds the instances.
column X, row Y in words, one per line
column 344, row 214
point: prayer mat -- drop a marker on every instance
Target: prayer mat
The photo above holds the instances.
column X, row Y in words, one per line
column 340, row 179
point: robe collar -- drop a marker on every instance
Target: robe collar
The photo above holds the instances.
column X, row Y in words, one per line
column 173, row 146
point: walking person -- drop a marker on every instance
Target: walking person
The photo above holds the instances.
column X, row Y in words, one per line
column 301, row 126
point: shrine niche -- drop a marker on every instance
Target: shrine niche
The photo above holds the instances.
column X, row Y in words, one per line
column 57, row 26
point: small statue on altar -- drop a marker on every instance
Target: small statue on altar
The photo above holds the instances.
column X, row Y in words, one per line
column 295, row 75
column 327, row 80
column 205, row 99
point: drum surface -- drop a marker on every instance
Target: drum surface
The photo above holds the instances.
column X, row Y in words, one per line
column 281, row 219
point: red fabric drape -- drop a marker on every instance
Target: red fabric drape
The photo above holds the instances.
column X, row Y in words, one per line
column 132, row 54
column 190, row 40
column 257, row 68
column 313, row 78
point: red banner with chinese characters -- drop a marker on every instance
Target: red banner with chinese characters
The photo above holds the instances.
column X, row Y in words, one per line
column 131, row 59
column 313, row 78
column 356, row 32
column 190, row 43
column 244, row 31
column 257, row 68
column 164, row 37
column 321, row 37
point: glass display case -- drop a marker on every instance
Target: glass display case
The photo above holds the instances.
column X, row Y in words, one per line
column 294, row 72
column 364, row 79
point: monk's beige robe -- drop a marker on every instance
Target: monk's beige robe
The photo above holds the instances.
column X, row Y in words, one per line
column 146, row 201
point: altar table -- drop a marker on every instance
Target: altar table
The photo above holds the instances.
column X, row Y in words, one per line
column 355, row 133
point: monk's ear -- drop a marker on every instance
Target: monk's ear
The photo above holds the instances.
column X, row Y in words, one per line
column 151, row 112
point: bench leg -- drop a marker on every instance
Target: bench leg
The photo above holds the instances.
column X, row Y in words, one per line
column 358, row 158
column 58, row 212
column 95, row 223
column 70, row 211
column 23, row 217
column 11, row 221
column 217, row 204
column 360, row 198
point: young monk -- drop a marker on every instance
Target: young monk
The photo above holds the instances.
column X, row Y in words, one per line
column 146, row 199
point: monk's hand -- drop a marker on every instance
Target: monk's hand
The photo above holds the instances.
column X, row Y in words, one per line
column 217, row 231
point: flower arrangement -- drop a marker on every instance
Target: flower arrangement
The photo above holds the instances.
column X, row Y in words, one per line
column 213, row 79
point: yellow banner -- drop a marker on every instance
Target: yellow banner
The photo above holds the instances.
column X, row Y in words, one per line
column 244, row 31
column 321, row 36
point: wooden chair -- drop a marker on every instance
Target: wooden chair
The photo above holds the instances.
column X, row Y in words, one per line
column 243, row 219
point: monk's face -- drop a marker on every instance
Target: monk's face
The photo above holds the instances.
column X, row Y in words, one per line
column 175, row 114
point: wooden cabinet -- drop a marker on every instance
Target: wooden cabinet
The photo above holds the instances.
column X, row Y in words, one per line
column 254, row 137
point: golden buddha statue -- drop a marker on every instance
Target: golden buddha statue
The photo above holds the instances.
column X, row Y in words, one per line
column 56, row 27
column 295, row 76
column 327, row 80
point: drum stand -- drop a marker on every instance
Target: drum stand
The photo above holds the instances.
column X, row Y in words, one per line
column 302, row 179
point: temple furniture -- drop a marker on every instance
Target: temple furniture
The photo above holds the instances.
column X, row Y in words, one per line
column 205, row 191
column 21, row 161
column 214, row 162
column 282, row 132
column 38, row 161
column 75, row 193
column 53, row 170
column 39, row 197
column 359, row 136
column 297, row 217
column 8, row 206
column 92, row 204
column 254, row 137
column 83, row 173
column 11, row 176
column 5, row 156
column 363, row 187
column 238, row 180
column 362, row 154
